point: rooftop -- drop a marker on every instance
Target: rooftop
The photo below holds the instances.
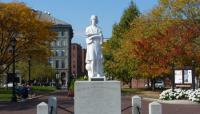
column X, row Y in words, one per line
column 47, row 16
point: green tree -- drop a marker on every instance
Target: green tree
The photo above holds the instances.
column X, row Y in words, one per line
column 39, row 70
column 112, row 48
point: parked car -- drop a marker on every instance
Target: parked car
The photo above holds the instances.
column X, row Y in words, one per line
column 159, row 84
column 146, row 85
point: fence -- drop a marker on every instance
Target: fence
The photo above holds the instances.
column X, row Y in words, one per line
column 51, row 107
column 154, row 107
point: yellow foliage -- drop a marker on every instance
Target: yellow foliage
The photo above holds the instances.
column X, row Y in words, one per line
column 32, row 34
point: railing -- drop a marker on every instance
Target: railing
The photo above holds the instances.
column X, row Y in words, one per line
column 137, row 107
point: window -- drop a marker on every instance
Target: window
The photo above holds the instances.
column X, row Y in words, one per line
column 62, row 33
column 74, row 47
column 57, row 63
column 63, row 43
column 56, row 53
column 59, row 33
column 58, row 43
column 63, row 64
column 63, row 53
column 66, row 33
column 50, row 61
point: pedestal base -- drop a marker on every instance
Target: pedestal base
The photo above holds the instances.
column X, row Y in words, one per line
column 97, row 97
column 97, row 79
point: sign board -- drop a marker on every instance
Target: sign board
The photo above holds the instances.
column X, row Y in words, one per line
column 187, row 76
column 178, row 76
column 183, row 76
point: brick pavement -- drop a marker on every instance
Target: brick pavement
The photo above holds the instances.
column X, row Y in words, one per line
column 65, row 106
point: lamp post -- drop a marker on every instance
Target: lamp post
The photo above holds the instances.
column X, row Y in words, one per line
column 13, row 43
column 57, row 80
column 173, row 76
column 29, row 70
column 193, row 75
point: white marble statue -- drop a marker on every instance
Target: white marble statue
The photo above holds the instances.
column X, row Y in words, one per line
column 94, row 57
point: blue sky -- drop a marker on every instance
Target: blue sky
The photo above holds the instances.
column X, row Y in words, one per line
column 78, row 12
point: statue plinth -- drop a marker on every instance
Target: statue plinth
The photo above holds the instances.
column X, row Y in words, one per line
column 97, row 97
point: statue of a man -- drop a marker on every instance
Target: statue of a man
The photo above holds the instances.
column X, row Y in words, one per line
column 94, row 57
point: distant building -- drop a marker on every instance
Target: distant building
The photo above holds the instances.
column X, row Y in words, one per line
column 83, row 70
column 61, row 60
column 77, row 60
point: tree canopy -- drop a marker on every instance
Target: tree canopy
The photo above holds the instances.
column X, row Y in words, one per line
column 168, row 34
column 115, row 66
column 32, row 34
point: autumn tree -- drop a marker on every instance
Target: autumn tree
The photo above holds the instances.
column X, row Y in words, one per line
column 168, row 34
column 32, row 34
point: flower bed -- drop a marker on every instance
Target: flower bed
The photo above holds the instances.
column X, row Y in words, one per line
column 180, row 94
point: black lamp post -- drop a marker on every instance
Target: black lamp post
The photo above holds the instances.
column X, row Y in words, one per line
column 13, row 43
column 29, row 70
column 172, row 79
column 193, row 75
column 57, row 79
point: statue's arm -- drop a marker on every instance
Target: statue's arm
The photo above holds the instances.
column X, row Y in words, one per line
column 89, row 35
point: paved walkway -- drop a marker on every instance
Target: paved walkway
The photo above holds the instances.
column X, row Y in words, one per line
column 65, row 106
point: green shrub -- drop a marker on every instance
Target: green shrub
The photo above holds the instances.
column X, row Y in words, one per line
column 43, row 88
column 72, row 81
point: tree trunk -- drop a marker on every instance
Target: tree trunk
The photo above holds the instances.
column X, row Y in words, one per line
column 148, row 83
column 153, row 84
column 130, row 83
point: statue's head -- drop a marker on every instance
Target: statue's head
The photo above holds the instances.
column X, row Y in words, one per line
column 94, row 19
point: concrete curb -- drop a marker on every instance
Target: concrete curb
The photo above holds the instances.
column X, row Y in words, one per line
column 186, row 102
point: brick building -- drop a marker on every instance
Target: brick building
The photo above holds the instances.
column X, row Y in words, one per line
column 83, row 70
column 77, row 60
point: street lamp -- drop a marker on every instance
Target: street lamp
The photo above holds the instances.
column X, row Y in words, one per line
column 193, row 75
column 29, row 70
column 173, row 76
column 57, row 80
column 13, row 43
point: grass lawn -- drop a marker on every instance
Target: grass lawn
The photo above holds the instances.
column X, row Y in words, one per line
column 5, row 97
column 141, row 92
column 44, row 88
column 5, row 94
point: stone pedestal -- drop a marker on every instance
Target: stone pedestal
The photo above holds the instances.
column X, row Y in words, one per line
column 97, row 97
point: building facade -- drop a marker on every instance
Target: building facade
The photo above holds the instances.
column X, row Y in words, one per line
column 61, row 47
column 76, row 59
column 83, row 69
